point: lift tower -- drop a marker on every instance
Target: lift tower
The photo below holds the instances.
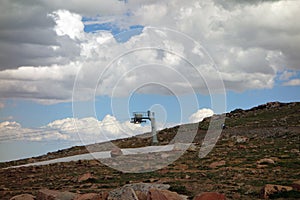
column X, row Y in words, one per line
column 140, row 117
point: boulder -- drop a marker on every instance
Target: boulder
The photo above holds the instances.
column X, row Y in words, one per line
column 115, row 152
column 156, row 194
column 89, row 196
column 139, row 189
column 270, row 189
column 210, row 196
column 23, row 197
column 241, row 139
column 45, row 194
column 85, row 177
column 266, row 161
column 217, row 164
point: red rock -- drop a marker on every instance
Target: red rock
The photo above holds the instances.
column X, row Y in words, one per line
column 23, row 197
column 210, row 196
column 155, row 194
column 89, row 196
column 45, row 194
column 116, row 152
column 269, row 189
column 104, row 195
column 141, row 195
column 217, row 164
column 85, row 177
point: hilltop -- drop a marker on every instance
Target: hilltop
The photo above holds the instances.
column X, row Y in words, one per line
column 259, row 146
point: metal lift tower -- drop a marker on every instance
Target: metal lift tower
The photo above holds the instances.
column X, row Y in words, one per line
column 140, row 117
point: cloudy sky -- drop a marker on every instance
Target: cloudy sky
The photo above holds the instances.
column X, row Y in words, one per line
column 72, row 72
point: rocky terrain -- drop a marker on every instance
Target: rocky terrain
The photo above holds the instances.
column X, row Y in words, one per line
column 257, row 156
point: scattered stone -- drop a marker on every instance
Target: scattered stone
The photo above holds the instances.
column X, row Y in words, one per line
column 295, row 151
column 241, row 139
column 23, row 197
column 210, row 196
column 217, row 164
column 270, row 189
column 115, row 152
column 242, row 147
column 85, row 177
column 155, row 194
column 266, row 161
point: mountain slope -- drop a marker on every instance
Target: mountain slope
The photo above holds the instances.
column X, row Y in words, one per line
column 234, row 167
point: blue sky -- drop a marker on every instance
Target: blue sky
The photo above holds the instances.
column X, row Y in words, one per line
column 100, row 62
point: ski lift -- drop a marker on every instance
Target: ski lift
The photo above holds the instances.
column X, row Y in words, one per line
column 141, row 117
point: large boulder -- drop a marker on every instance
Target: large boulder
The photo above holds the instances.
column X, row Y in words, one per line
column 45, row 194
column 210, row 196
column 89, row 196
column 270, row 189
column 156, row 194
column 115, row 152
column 23, row 197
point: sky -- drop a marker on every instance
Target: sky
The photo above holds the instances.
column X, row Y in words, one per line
column 72, row 72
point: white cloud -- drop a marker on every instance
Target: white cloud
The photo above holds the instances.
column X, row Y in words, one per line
column 200, row 115
column 68, row 23
column 293, row 82
column 85, row 130
column 251, row 43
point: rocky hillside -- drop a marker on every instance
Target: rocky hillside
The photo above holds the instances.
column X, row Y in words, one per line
column 257, row 156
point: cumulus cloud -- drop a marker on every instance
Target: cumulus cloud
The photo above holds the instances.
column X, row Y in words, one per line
column 200, row 115
column 44, row 46
column 85, row 130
